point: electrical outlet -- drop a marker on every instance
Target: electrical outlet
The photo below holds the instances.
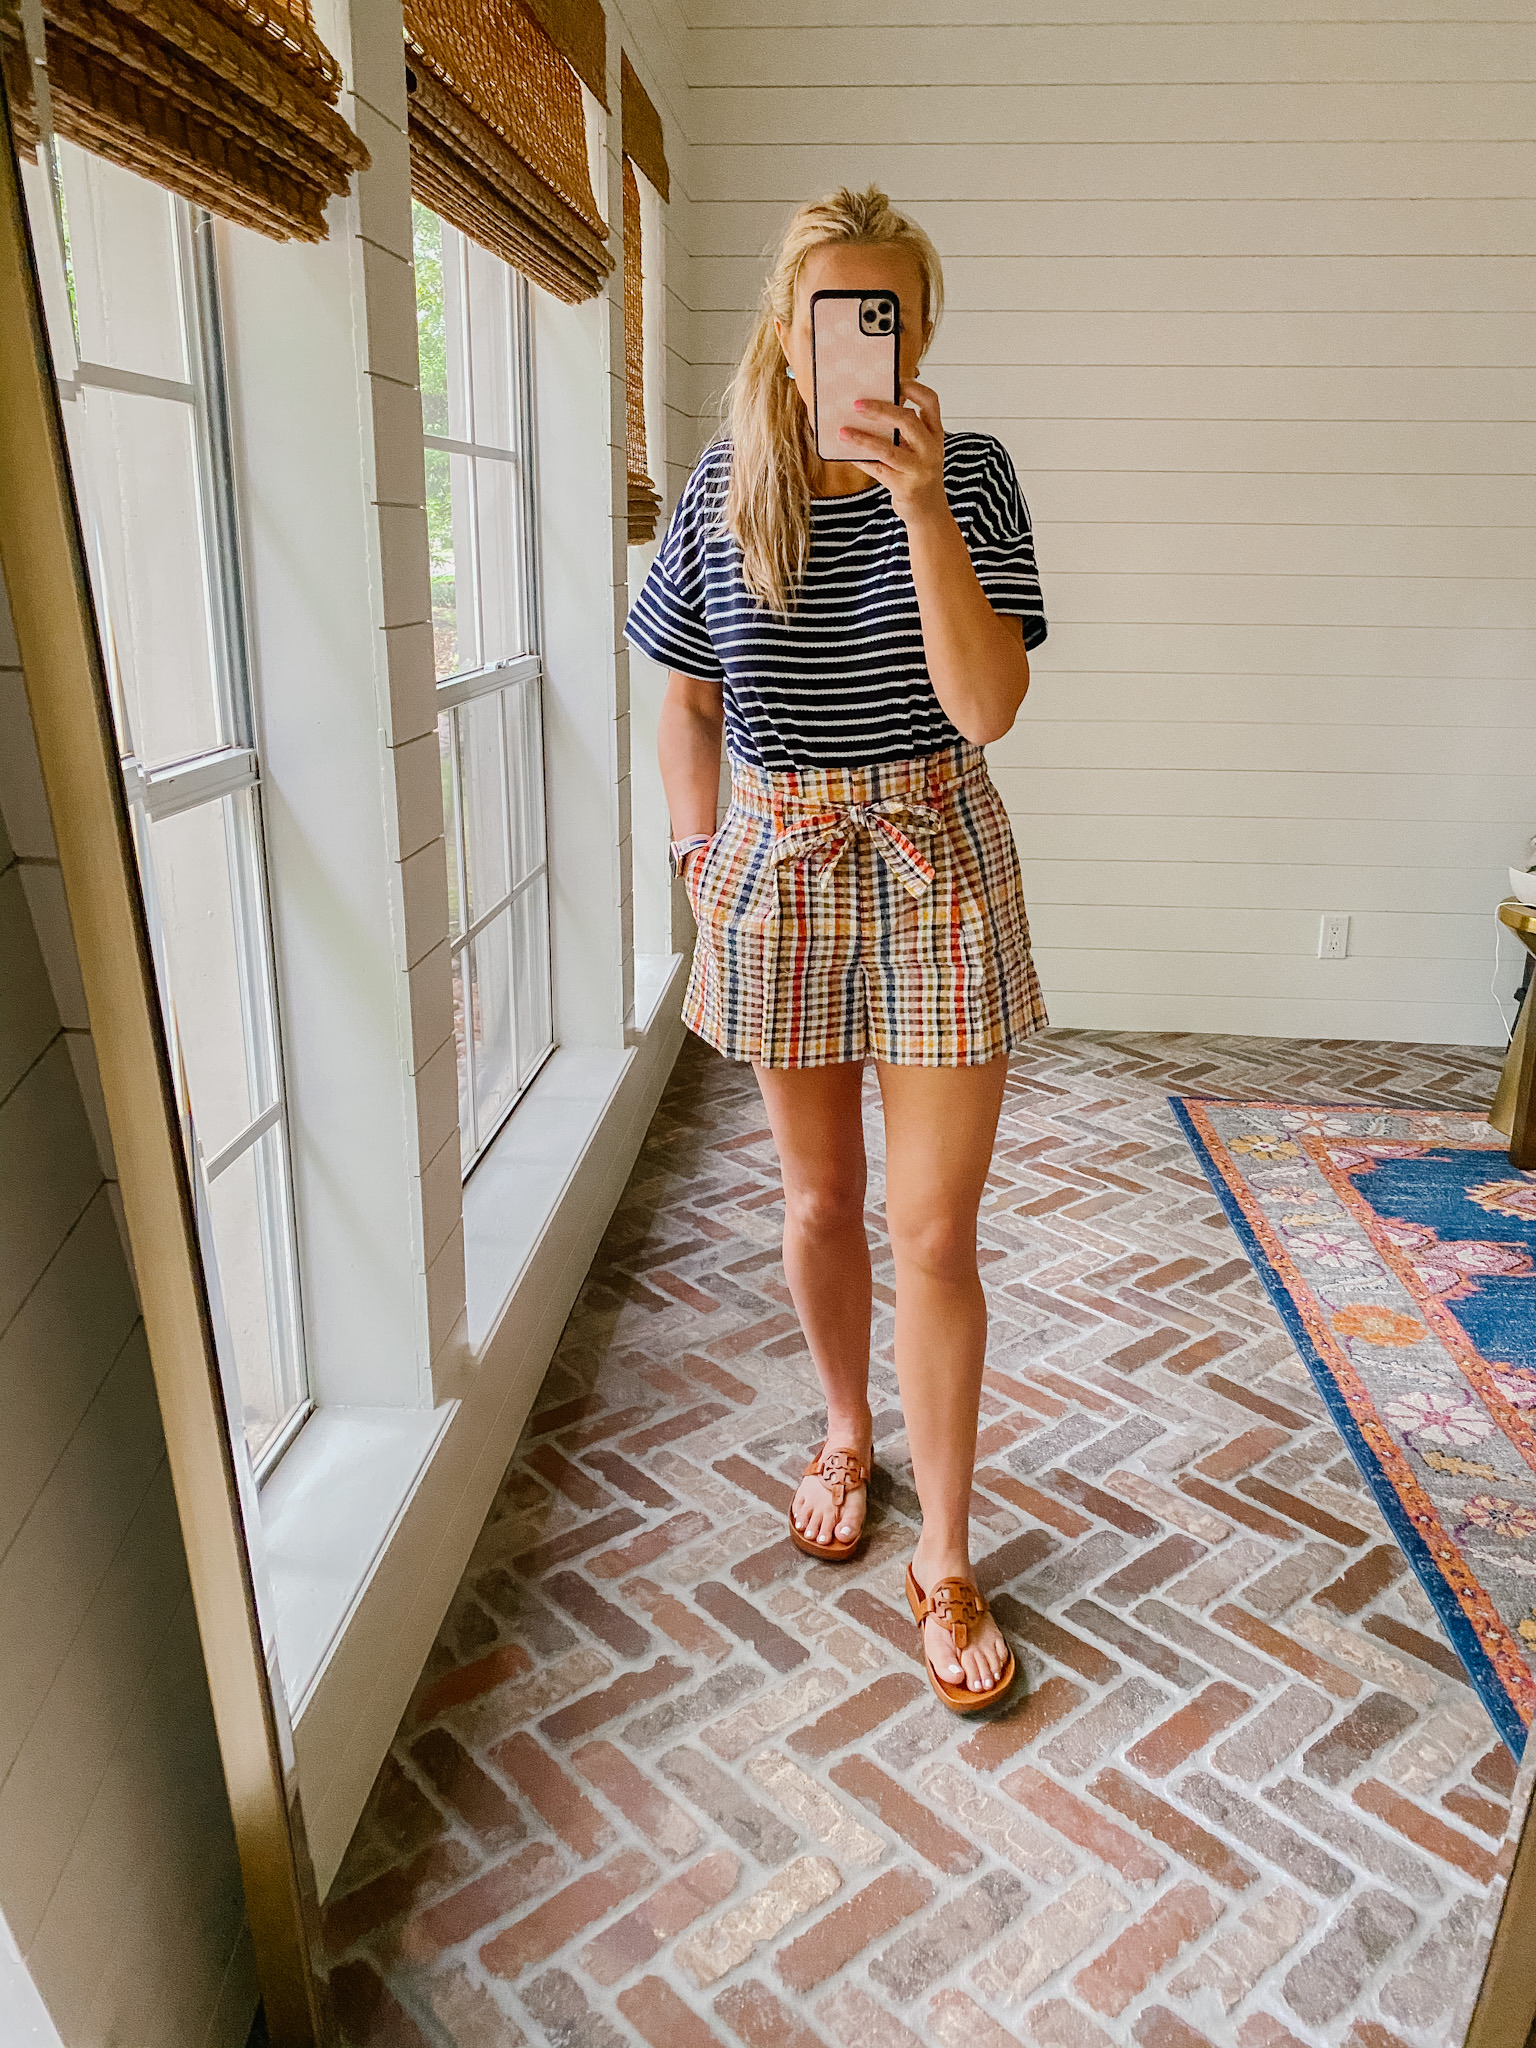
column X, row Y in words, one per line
column 1333, row 937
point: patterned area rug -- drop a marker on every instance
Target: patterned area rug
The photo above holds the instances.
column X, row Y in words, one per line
column 1398, row 1247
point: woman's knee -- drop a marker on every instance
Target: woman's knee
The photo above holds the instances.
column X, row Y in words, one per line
column 825, row 1205
column 934, row 1242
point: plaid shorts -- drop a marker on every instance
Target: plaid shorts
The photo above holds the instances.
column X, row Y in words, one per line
column 863, row 913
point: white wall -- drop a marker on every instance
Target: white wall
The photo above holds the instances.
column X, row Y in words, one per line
column 1246, row 299
column 119, row 1884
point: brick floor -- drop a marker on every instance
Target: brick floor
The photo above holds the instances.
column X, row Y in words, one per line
column 665, row 1780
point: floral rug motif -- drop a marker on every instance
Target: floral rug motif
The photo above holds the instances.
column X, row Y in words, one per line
column 1400, row 1249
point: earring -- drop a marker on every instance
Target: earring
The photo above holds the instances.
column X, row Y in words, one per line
column 789, row 372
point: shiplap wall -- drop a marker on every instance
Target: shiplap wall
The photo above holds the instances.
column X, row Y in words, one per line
column 1249, row 300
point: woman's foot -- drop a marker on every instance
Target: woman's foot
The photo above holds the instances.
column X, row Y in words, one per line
column 986, row 1656
column 815, row 1511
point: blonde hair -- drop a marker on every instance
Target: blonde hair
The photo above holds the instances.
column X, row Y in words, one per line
column 768, row 504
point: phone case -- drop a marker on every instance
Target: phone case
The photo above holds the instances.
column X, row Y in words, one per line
column 855, row 353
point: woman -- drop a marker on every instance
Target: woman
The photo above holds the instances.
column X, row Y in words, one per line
column 857, row 630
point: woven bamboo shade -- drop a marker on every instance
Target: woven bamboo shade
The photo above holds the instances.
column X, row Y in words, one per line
column 642, row 129
column 644, row 501
column 231, row 103
column 499, row 140
column 579, row 32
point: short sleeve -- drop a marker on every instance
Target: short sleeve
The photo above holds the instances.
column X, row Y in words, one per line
column 1002, row 545
column 667, row 620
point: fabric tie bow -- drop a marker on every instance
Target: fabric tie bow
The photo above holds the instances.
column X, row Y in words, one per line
column 824, row 836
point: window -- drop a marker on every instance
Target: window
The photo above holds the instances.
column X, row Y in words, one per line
column 134, row 317
column 474, row 340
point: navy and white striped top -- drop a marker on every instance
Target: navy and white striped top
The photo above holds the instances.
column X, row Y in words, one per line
column 841, row 680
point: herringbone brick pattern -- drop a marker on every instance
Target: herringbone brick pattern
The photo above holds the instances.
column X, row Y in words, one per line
column 664, row 1780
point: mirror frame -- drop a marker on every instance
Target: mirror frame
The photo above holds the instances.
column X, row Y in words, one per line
column 56, row 631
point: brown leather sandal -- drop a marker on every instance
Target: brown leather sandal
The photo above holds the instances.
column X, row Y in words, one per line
column 840, row 1471
column 955, row 1605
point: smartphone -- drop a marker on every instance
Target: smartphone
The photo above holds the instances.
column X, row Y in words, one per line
column 855, row 353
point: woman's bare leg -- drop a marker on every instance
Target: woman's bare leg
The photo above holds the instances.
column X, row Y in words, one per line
column 817, row 1120
column 940, row 1124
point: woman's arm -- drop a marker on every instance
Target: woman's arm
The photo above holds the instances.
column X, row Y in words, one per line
column 976, row 659
column 688, row 736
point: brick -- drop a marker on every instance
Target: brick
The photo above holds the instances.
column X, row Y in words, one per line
column 560, row 2006
column 1103, row 1727
column 1201, row 1352
column 1497, row 1770
column 1384, row 1856
column 1217, row 1574
column 1055, row 2024
column 1079, row 1565
column 856, row 2020
column 837, row 1937
column 1174, row 1829
column 1371, row 2034
column 685, row 1627
column 1261, row 1832
column 673, row 1428
column 629, row 1690
column 762, row 1834
column 728, row 1941
column 750, row 1625
column 882, row 1620
column 852, row 1719
column 472, row 1681
column 1084, row 1825
column 1043, row 1506
column 477, row 1799
column 1048, row 1941
column 1444, row 1968
column 1134, row 1958
column 1157, row 2027
column 955, row 2021
column 612, row 1625
column 1272, row 1734
column 367, row 1907
column 1223, row 1276
column 1416, row 1644
column 489, row 1897
column 1103, row 1505
column 1292, row 1578
column 1434, row 1750
column 1424, row 1831
column 649, row 1545
column 719, row 1692
column 1012, row 1559
column 630, row 1479
column 569, row 1479
column 643, row 1803
column 915, row 1962
column 751, row 2010
column 1257, row 1404
column 996, row 1824
column 661, row 2018
column 669, row 1909
column 905, row 1816
column 1378, row 1720
column 561, row 1918
column 1235, row 1508
column 1229, row 1459
column 764, row 1566
column 561, row 1549
column 368, row 2010
column 1342, row 1684
column 1149, row 1568
column 1209, row 1645
column 1131, row 1357
column 1486, row 1815
column 772, row 1710
column 468, row 2014
column 1159, row 1657
column 1365, row 1578
column 754, row 1480
column 1235, row 1961
column 1052, row 1640
column 1172, row 1508
column 1295, row 1509
column 1332, row 1974
column 1022, row 1723
column 1263, row 2030
column 813, row 1806
column 1176, row 1740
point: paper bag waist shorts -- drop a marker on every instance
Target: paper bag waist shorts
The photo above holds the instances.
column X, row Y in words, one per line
column 863, row 913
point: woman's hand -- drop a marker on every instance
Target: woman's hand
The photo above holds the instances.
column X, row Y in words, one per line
column 912, row 471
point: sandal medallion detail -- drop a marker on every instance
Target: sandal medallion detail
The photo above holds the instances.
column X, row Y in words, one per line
column 841, row 1472
column 956, row 1606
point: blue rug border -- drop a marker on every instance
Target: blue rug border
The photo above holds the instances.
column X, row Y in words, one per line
column 1478, row 1665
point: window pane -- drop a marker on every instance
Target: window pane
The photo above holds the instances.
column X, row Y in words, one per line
column 525, row 772
column 250, row 1208
column 493, row 413
column 447, row 727
column 492, row 1017
column 450, row 540
column 124, row 275
column 461, row 1044
column 484, row 800
column 431, row 322
column 498, row 487
column 217, row 960
column 530, row 956
column 136, row 459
